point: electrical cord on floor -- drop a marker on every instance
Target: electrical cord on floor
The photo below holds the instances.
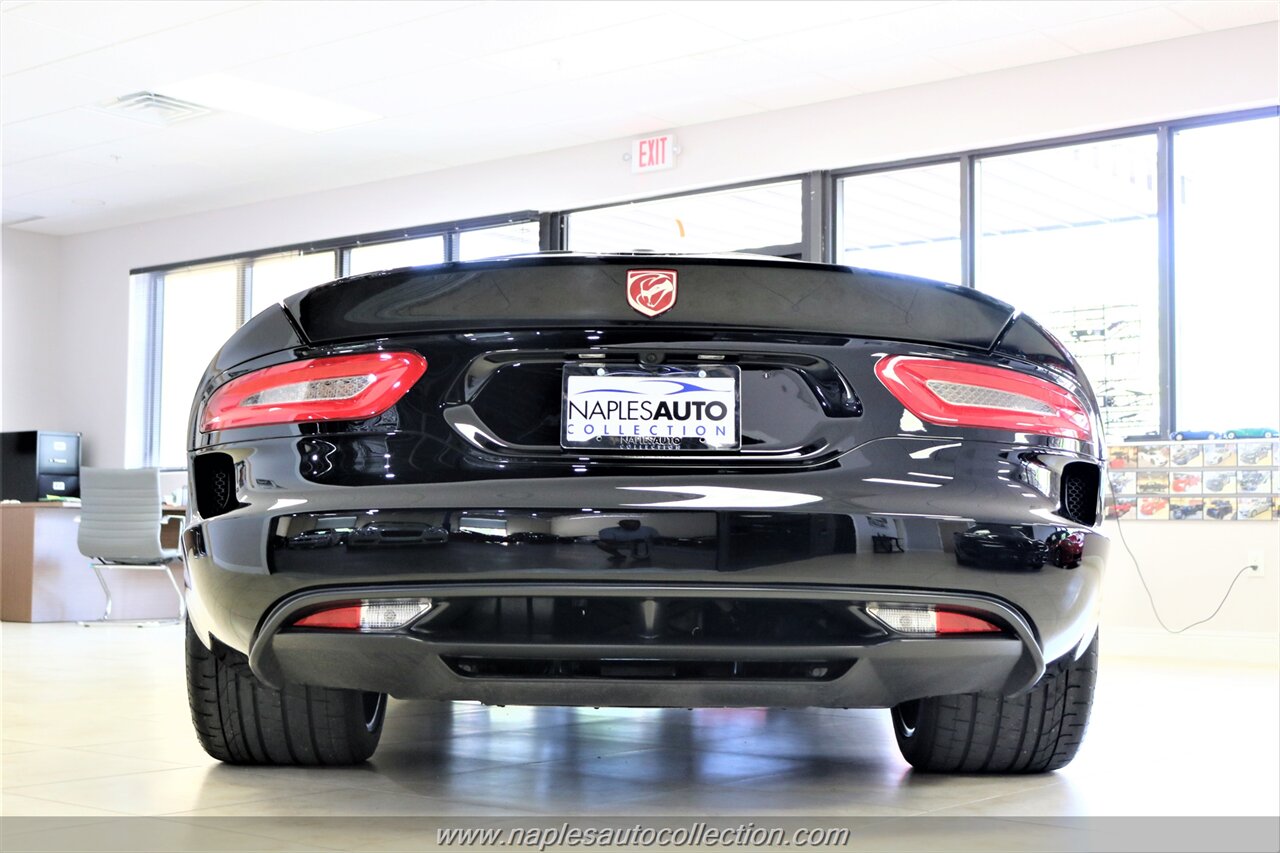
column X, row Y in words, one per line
column 1141, row 577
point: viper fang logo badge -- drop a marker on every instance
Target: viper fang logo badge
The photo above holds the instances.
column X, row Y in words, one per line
column 651, row 292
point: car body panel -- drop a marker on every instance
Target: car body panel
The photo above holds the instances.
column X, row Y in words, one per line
column 837, row 498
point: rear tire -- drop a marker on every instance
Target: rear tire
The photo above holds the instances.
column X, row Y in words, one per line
column 241, row 720
column 1034, row 732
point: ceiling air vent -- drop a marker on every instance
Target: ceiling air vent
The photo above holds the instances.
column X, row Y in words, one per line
column 154, row 108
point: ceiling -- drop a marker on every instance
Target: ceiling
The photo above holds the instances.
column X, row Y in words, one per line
column 428, row 85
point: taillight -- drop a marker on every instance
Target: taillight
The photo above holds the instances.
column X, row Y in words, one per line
column 930, row 620
column 958, row 393
column 342, row 387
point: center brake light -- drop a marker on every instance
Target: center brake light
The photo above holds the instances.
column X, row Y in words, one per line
column 342, row 387
column 958, row 393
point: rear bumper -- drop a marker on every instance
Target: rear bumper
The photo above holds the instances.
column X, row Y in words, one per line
column 876, row 668
column 826, row 535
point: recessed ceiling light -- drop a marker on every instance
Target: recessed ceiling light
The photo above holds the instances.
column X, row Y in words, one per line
column 273, row 104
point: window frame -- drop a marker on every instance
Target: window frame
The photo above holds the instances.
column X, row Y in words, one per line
column 153, row 346
column 811, row 238
column 1163, row 328
column 1163, row 132
column 966, row 173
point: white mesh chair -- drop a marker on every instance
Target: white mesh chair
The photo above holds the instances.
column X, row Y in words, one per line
column 120, row 522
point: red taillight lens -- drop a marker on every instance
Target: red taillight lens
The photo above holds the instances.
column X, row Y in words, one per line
column 950, row 622
column 957, row 393
column 343, row 387
column 346, row 618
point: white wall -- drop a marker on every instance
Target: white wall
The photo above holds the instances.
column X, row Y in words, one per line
column 1188, row 566
column 1234, row 69
column 31, row 340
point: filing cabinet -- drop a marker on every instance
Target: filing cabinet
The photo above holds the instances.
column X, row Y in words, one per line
column 36, row 464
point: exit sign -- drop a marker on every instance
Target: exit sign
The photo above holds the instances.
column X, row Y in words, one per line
column 653, row 153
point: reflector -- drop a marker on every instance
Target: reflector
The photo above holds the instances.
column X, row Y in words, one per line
column 345, row 618
column 376, row 614
column 906, row 619
column 950, row 622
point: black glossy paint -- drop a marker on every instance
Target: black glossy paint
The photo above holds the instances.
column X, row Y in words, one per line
column 837, row 495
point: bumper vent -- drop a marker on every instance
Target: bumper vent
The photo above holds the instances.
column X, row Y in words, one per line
column 589, row 621
column 649, row 670
column 1079, row 497
column 215, row 481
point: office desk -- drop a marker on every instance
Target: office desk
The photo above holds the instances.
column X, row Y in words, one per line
column 45, row 578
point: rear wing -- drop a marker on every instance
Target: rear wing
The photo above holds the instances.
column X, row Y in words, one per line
column 731, row 293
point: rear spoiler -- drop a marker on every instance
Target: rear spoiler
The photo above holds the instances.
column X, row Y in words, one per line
column 728, row 293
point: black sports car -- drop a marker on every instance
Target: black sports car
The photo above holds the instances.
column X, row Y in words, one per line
column 643, row 480
column 1255, row 455
column 1220, row 509
column 1255, row 481
column 1007, row 545
column 1220, row 482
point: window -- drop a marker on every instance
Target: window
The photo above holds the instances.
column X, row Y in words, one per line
column 518, row 239
column 197, row 311
column 904, row 221
column 1069, row 233
column 191, row 311
column 1226, row 215
column 1070, row 236
column 764, row 218
column 390, row 256
column 274, row 278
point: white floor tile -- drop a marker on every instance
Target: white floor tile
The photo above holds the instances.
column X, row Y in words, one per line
column 45, row 765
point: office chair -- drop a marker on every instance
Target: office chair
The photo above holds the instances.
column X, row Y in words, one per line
column 120, row 523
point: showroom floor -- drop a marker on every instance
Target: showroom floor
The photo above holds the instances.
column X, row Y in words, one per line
column 95, row 724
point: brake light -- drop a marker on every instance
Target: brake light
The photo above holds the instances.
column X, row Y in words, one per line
column 957, row 393
column 343, row 387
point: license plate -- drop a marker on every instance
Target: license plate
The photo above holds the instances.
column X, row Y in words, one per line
column 650, row 410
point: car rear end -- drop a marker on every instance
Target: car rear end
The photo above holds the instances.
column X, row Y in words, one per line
column 646, row 481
